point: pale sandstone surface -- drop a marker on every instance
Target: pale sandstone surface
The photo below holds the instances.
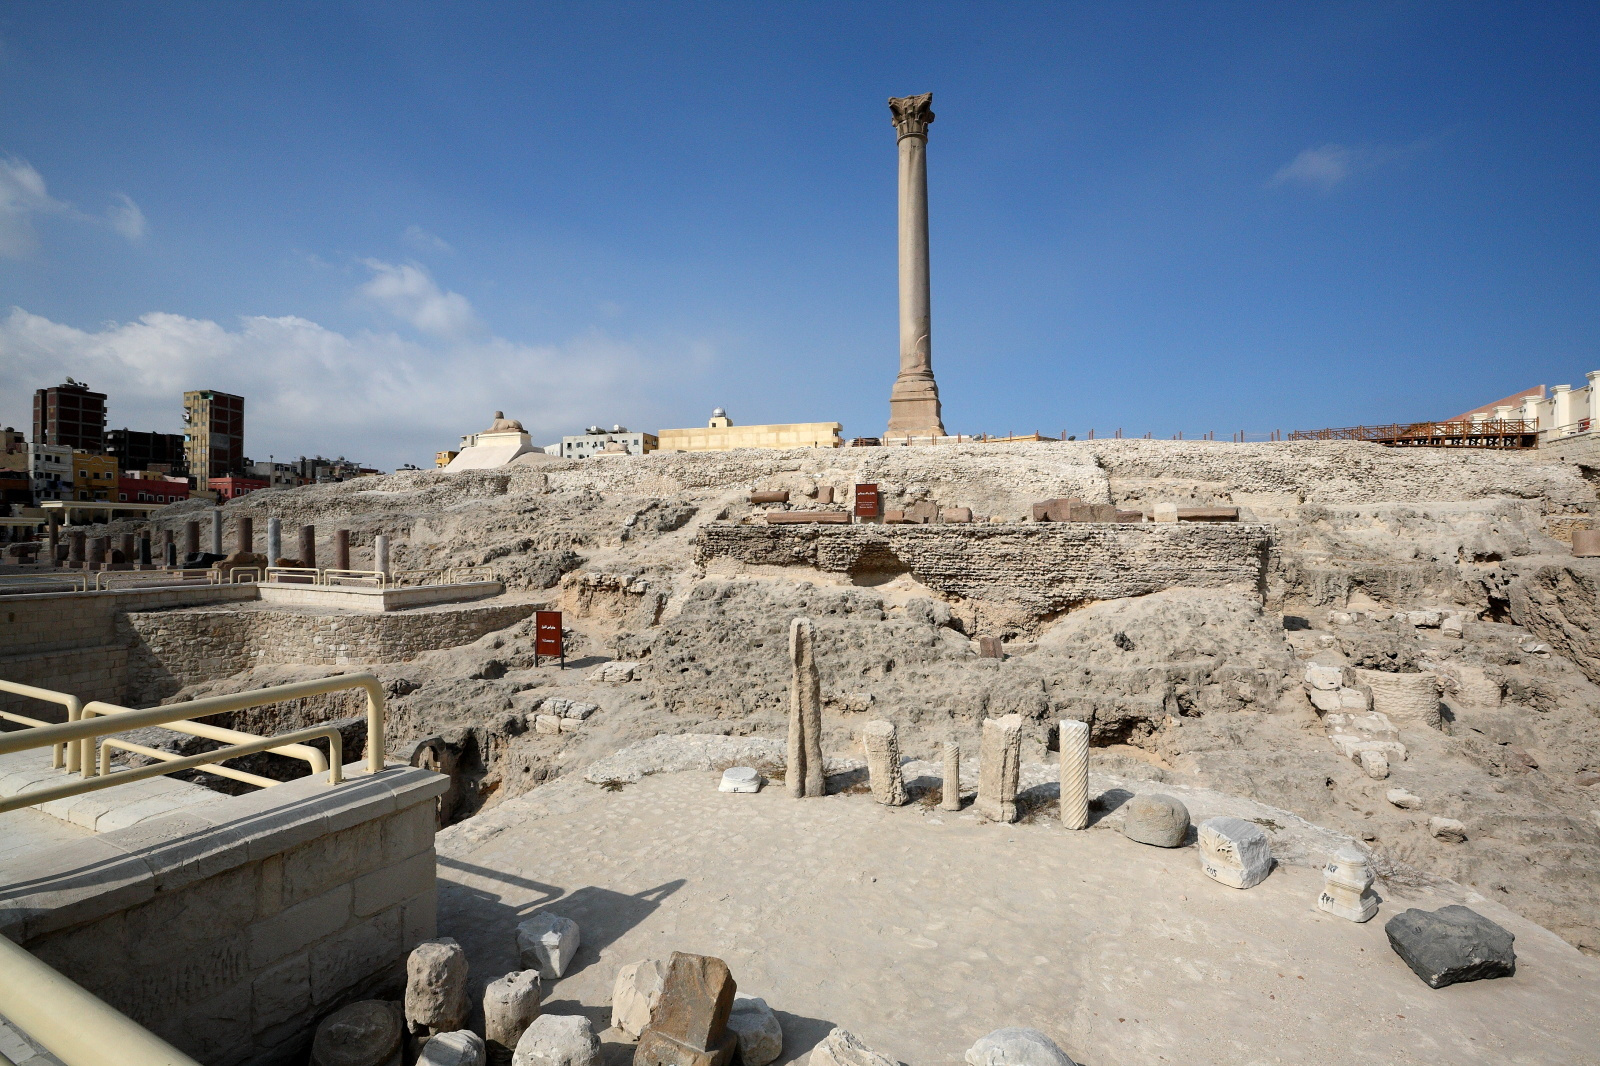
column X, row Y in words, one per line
column 1202, row 687
column 844, row 912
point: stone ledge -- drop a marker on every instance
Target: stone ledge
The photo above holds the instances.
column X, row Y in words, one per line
column 67, row 885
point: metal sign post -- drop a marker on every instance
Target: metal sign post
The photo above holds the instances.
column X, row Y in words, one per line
column 547, row 637
column 866, row 501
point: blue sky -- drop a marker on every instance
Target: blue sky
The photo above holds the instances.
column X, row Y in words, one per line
column 381, row 222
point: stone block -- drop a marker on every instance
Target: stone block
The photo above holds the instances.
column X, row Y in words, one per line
column 991, row 648
column 1448, row 830
column 1016, row 1047
column 1156, row 819
column 296, row 928
column 1451, row 944
column 280, row 993
column 368, row 1033
column 571, row 725
column 460, row 1048
column 509, row 1006
column 1234, row 852
column 1164, row 512
column 436, row 986
column 1324, row 678
column 635, row 994
column 1355, row 699
column 314, row 867
column 408, row 832
column 955, row 514
column 547, row 942
column 1374, row 763
column 757, row 1028
column 740, row 779
column 1325, row 700
column 391, row 885
column 1406, row 801
column 689, row 1025
column 558, row 1040
column 843, row 1048
column 353, row 957
column 547, row 723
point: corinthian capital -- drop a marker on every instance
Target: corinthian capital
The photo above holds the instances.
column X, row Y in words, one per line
column 911, row 114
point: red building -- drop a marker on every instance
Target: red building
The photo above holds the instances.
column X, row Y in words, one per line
column 231, row 488
column 152, row 489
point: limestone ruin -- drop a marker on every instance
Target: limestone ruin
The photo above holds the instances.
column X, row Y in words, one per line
column 1374, row 689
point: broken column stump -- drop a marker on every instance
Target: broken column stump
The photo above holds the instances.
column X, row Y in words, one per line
column 883, row 763
column 803, row 773
column 999, row 766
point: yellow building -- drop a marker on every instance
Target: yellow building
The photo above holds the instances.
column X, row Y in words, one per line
column 442, row 459
column 721, row 434
column 94, row 477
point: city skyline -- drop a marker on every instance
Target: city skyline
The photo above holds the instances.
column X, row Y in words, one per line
column 381, row 225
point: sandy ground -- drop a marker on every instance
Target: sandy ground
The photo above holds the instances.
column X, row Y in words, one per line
column 921, row 930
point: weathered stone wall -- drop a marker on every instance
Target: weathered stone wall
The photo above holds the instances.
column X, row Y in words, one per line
column 68, row 641
column 229, row 932
column 1044, row 568
column 170, row 649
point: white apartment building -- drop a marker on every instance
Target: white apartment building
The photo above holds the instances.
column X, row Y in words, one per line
column 50, row 471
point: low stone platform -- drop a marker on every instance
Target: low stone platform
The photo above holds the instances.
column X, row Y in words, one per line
column 358, row 598
column 921, row 930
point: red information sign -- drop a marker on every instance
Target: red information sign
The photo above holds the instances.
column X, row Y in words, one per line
column 866, row 501
column 547, row 635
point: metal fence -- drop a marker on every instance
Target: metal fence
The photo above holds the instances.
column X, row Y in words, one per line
column 1489, row 433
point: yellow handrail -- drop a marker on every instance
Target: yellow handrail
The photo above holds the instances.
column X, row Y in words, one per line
column 329, row 576
column 74, row 706
column 270, row 576
column 109, row 743
column 102, row 719
column 74, row 1025
column 103, row 579
column 78, row 581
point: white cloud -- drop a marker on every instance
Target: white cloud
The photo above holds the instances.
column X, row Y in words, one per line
column 409, row 293
column 423, row 241
column 1322, row 168
column 23, row 197
column 373, row 396
column 126, row 218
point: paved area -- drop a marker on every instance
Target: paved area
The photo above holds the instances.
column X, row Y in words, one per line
column 921, row 930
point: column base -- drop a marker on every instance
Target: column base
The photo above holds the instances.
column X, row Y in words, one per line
column 914, row 409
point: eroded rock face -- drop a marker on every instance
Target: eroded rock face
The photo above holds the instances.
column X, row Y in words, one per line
column 1561, row 604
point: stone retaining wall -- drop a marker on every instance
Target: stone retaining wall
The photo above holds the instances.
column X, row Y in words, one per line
column 1045, row 568
column 230, row 930
column 170, row 649
column 69, row 642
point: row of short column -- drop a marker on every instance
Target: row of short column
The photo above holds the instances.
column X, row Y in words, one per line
column 999, row 757
column 95, row 553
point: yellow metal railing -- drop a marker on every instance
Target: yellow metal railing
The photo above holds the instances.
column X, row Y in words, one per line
column 100, row 719
column 303, row 575
column 24, row 582
column 105, row 580
column 74, row 1025
column 61, row 755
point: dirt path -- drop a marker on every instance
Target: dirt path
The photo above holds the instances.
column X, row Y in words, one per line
column 921, row 930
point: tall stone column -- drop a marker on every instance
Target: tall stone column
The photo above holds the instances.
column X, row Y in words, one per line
column 914, row 402
column 216, row 531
